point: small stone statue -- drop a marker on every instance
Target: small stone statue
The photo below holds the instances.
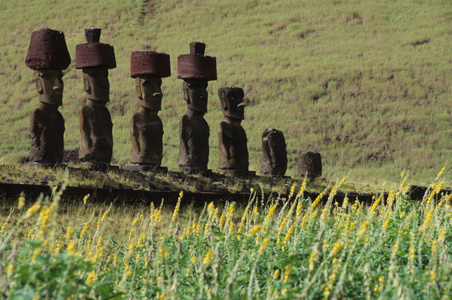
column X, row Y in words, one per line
column 47, row 56
column 196, row 70
column 274, row 159
column 95, row 59
column 231, row 135
column 146, row 128
column 310, row 164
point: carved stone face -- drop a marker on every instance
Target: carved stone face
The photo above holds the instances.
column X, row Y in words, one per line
column 49, row 84
column 96, row 84
column 195, row 94
column 232, row 103
column 149, row 91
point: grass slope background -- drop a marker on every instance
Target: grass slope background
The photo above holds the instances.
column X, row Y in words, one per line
column 365, row 83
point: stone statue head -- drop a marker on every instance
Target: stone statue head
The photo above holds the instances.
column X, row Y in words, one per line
column 232, row 102
column 49, row 84
column 195, row 93
column 149, row 91
column 96, row 84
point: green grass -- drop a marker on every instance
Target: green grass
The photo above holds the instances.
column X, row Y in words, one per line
column 365, row 83
column 269, row 249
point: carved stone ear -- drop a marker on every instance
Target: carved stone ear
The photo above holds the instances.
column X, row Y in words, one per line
column 223, row 100
column 138, row 88
column 86, row 86
column 186, row 96
column 38, row 85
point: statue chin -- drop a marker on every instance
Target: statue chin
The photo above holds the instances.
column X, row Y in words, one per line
column 199, row 107
column 235, row 115
column 153, row 104
column 55, row 100
column 100, row 97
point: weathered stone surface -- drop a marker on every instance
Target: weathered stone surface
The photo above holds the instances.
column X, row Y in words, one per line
column 310, row 163
column 47, row 131
column 96, row 133
column 47, row 50
column 196, row 69
column 94, row 58
column 48, row 56
column 232, row 139
column 146, row 130
column 194, row 142
column 274, row 158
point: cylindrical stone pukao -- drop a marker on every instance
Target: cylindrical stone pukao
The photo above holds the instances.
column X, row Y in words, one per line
column 149, row 63
column 47, row 50
column 93, row 53
column 196, row 65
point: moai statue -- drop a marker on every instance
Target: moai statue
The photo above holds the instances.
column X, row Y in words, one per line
column 47, row 56
column 95, row 59
column 274, row 159
column 196, row 70
column 231, row 135
column 146, row 128
column 310, row 164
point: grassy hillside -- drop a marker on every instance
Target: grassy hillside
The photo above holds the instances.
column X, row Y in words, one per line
column 365, row 83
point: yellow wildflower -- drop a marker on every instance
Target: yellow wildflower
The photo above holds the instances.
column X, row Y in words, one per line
column 10, row 270
column 131, row 247
column 70, row 249
column 303, row 186
column 176, row 209
column 317, row 200
column 253, row 231
column 68, row 233
column 440, row 173
column 434, row 248
column 21, row 201
column 85, row 199
column 264, row 245
column 85, row 227
column 2, row 229
column 292, row 191
column 312, row 260
column 386, row 224
column 345, row 203
column 288, row 234
column 207, row 260
column 360, row 233
column 286, row 274
column 91, row 277
column 210, row 209
column 336, row 248
column 324, row 215
column 33, row 209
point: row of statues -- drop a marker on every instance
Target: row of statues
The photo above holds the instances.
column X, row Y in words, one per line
column 48, row 57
